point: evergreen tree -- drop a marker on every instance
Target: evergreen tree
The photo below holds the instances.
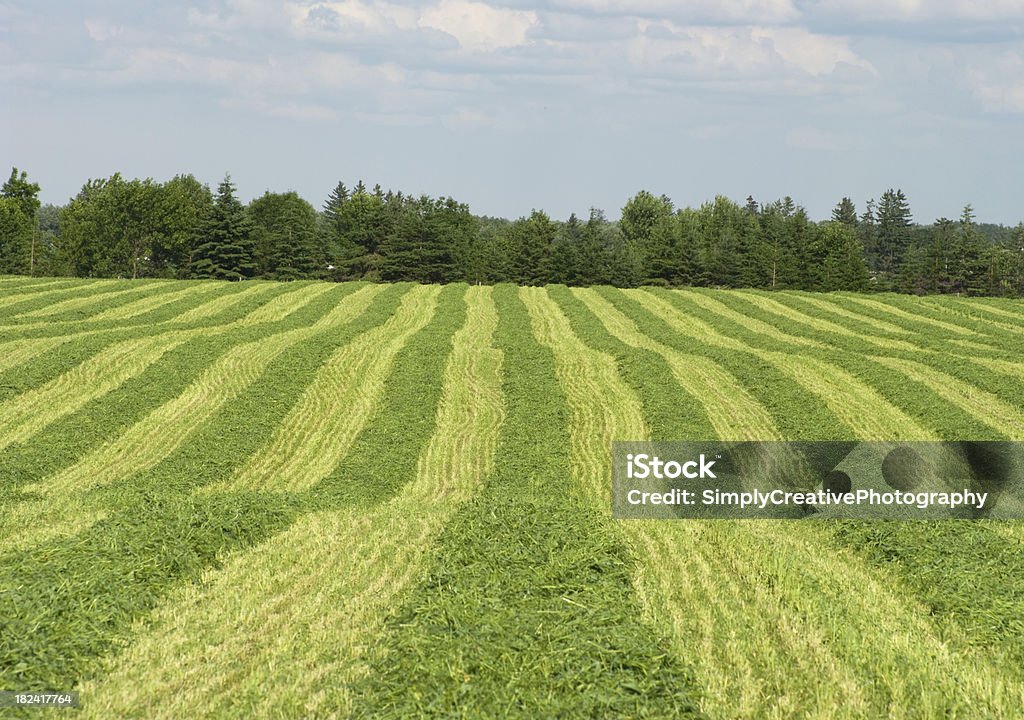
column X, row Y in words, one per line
column 565, row 253
column 646, row 226
column 868, row 230
column 893, row 229
column 593, row 257
column 845, row 212
column 530, row 242
column 843, row 267
column 287, row 244
column 226, row 248
column 967, row 272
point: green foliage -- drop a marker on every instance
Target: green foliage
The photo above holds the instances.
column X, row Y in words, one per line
column 287, row 244
column 894, row 221
column 843, row 267
column 226, row 250
column 139, row 228
column 845, row 212
column 19, row 204
column 529, row 610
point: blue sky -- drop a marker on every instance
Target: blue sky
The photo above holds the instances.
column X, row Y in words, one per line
column 509, row 106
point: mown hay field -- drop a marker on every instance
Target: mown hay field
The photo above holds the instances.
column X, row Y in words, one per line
column 349, row 500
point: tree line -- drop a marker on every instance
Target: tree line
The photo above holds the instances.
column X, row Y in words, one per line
column 114, row 227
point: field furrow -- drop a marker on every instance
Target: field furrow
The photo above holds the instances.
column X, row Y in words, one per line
column 343, row 396
column 733, row 414
column 156, row 436
column 154, row 302
column 93, row 301
column 604, row 409
column 271, row 612
column 911, row 317
column 1002, row 417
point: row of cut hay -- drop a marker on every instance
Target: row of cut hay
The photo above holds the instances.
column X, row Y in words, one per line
column 298, row 614
column 827, row 303
column 33, row 298
column 733, row 412
column 94, row 300
column 163, row 307
column 157, row 435
column 342, row 398
column 933, row 326
column 848, row 397
column 686, row 323
column 157, row 534
column 889, row 308
column 965, row 391
column 971, row 599
column 825, row 327
column 29, row 412
column 533, row 584
column 12, row 295
column 946, row 416
column 168, row 295
column 1003, row 418
column 240, row 293
column 809, row 669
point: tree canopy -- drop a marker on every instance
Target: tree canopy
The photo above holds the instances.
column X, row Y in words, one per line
column 115, row 227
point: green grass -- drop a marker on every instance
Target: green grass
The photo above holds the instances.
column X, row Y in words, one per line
column 528, row 610
column 313, row 500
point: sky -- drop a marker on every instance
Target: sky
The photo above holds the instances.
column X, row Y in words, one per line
column 560, row 105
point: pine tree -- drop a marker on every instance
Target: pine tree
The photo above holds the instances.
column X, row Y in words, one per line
column 226, row 250
column 967, row 267
column 868, row 231
column 845, row 212
column 894, row 221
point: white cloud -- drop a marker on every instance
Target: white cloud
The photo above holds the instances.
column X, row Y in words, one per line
column 919, row 10
column 814, row 54
column 478, row 26
column 692, row 11
column 741, row 50
column 999, row 84
column 352, row 16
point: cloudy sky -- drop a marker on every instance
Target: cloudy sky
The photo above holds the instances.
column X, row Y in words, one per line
column 515, row 104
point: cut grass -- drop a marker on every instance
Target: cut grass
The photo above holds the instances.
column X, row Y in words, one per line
column 58, row 509
column 529, row 609
column 738, row 674
column 213, row 653
column 157, row 533
column 343, row 396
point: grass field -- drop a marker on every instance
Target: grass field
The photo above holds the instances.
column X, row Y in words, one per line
column 350, row 500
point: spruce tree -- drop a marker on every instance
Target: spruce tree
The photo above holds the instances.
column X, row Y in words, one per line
column 894, row 221
column 226, row 246
column 845, row 212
